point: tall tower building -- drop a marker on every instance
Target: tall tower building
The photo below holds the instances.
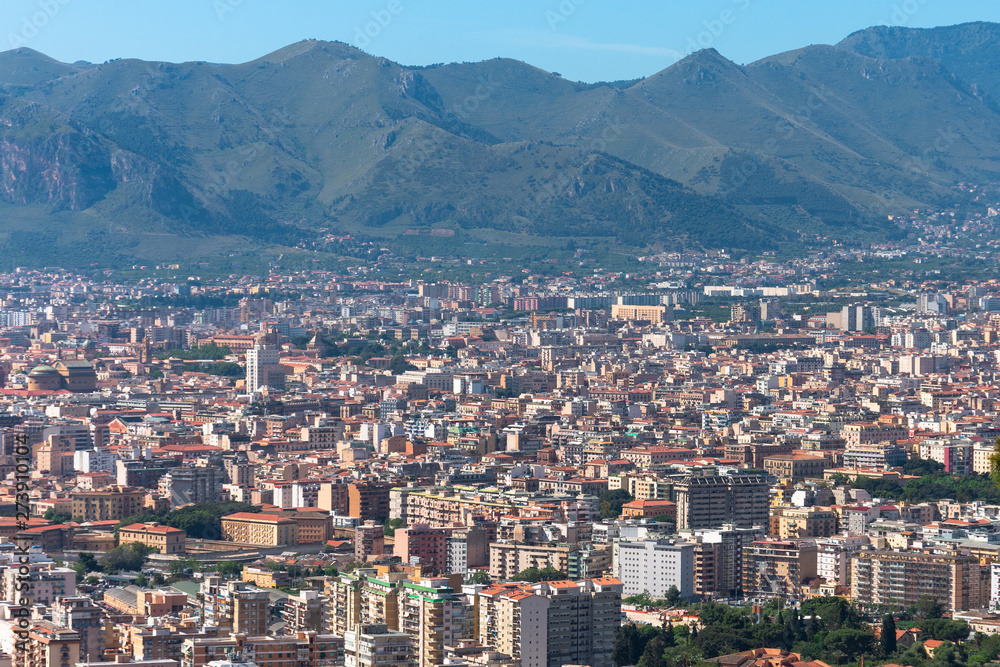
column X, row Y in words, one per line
column 260, row 359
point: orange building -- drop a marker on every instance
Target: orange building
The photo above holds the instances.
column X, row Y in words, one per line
column 649, row 507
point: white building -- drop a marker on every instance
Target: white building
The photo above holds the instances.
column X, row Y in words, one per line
column 655, row 566
column 260, row 361
column 833, row 557
column 94, row 460
column 995, row 586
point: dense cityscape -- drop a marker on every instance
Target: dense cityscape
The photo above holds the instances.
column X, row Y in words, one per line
column 776, row 460
column 446, row 334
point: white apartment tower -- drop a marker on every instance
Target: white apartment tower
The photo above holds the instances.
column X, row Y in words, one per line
column 260, row 359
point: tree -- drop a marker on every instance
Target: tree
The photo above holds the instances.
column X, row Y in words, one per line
column 813, row 628
column 995, row 463
column 928, row 607
column 652, row 656
column 177, row 567
column 627, row 647
column 129, row 557
column 716, row 640
column 673, row 596
column 481, row 577
column 398, row 365
column 611, row 502
column 229, row 568
column 669, row 640
column 142, row 581
column 85, row 563
column 56, row 517
column 851, row 643
column 534, row 575
column 389, row 529
column 888, row 635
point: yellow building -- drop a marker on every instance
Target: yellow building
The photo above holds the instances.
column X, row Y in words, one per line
column 651, row 314
column 791, row 523
column 164, row 539
column 49, row 645
column 264, row 529
column 263, row 577
column 112, row 504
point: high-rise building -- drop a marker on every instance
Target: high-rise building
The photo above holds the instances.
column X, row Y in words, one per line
column 344, row 608
column 553, row 623
column 368, row 501
column 82, row 616
column 375, row 645
column 901, row 578
column 262, row 362
column 707, row 501
column 433, row 616
column 191, row 484
column 777, row 569
column 369, row 540
column 856, row 318
column 513, row 619
column 48, row 645
column 233, row 606
column 654, row 566
column 304, row 612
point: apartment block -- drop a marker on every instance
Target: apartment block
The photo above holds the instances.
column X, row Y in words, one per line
column 233, row 606
column 792, row 523
column 301, row 649
column 777, row 568
column 368, row 501
column 369, row 540
column 708, row 501
column 655, row 566
column 433, row 616
column 81, row 615
column 795, row 467
column 551, row 624
column 901, row 578
column 375, row 645
column 48, row 645
column 111, row 504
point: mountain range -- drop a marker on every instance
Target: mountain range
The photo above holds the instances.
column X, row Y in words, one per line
column 151, row 160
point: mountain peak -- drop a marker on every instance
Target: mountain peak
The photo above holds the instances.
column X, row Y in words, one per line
column 26, row 67
column 314, row 48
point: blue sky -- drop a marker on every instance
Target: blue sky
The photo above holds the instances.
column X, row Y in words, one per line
column 586, row 40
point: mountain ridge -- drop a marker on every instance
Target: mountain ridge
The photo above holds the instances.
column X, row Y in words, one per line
column 322, row 136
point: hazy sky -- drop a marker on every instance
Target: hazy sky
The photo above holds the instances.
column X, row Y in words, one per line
column 587, row 40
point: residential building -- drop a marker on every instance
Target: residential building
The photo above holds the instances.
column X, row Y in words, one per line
column 233, row 606
column 777, row 568
column 654, row 566
column 901, row 578
column 375, row 645
column 707, row 501
column 112, row 504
